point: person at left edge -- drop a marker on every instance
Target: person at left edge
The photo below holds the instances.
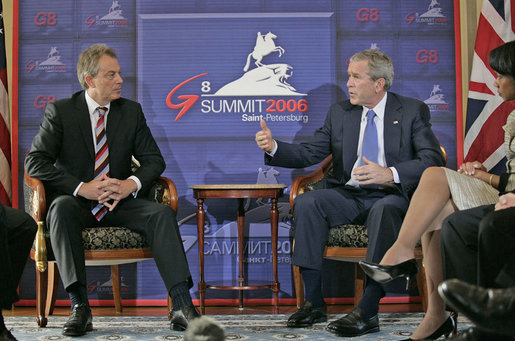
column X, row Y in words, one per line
column 375, row 194
column 62, row 156
column 17, row 232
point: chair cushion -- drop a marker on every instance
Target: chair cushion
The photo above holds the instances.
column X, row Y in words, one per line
column 348, row 235
column 105, row 238
column 112, row 238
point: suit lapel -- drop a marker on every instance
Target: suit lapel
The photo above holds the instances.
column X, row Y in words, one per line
column 85, row 124
column 350, row 137
column 392, row 128
column 113, row 121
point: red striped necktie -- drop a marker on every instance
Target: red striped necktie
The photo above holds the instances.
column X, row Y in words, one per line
column 101, row 158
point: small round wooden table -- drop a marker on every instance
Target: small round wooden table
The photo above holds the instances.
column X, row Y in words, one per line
column 240, row 192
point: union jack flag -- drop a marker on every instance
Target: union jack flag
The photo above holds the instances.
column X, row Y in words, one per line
column 486, row 110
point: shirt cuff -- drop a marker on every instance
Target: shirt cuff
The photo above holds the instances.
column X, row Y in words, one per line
column 272, row 153
column 136, row 180
column 77, row 189
column 395, row 175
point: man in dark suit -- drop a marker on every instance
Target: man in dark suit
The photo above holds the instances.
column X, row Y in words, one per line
column 17, row 231
column 90, row 183
column 477, row 248
column 381, row 143
column 492, row 311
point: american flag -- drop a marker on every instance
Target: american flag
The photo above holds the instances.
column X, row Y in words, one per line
column 486, row 111
column 5, row 125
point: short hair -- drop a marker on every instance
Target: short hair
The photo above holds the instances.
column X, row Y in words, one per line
column 88, row 61
column 502, row 59
column 204, row 329
column 379, row 65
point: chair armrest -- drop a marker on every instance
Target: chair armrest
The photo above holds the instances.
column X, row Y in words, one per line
column 35, row 205
column 299, row 184
column 444, row 152
column 36, row 199
column 169, row 195
column 40, row 247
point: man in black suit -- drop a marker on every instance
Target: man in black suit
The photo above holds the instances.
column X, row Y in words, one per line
column 477, row 248
column 17, row 231
column 377, row 166
column 477, row 244
column 81, row 171
column 492, row 311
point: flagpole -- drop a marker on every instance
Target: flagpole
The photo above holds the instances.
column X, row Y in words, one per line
column 459, row 84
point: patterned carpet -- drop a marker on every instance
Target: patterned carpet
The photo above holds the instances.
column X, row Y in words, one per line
column 395, row 326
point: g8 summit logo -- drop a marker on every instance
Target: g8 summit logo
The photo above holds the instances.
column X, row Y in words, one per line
column 260, row 81
column 52, row 63
column 113, row 18
column 436, row 100
column 432, row 16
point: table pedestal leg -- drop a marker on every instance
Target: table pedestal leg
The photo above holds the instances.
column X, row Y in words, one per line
column 200, row 231
column 241, row 238
column 274, row 221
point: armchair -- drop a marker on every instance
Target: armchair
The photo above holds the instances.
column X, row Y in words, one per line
column 103, row 245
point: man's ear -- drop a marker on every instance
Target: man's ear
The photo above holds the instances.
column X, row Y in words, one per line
column 380, row 84
column 90, row 81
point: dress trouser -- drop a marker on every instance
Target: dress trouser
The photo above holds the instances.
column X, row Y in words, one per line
column 477, row 246
column 17, row 232
column 68, row 215
column 314, row 212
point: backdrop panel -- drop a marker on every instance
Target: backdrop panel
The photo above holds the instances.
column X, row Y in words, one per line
column 206, row 72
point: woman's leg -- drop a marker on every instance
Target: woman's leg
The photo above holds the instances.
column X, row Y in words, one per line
column 435, row 315
column 430, row 204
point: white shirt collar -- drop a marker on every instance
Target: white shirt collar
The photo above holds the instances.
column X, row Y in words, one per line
column 93, row 105
column 378, row 109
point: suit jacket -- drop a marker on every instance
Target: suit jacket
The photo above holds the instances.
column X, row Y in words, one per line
column 410, row 145
column 63, row 154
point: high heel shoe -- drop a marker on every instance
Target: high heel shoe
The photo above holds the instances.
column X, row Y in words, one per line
column 445, row 329
column 387, row 273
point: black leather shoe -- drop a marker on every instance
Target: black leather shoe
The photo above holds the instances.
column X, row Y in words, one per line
column 79, row 322
column 181, row 318
column 474, row 334
column 387, row 273
column 489, row 309
column 307, row 315
column 5, row 335
column 354, row 324
column 445, row 329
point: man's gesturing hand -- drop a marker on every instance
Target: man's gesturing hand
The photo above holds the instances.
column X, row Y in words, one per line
column 264, row 138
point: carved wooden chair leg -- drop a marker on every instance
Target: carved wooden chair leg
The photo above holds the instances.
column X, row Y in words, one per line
column 299, row 285
column 422, row 284
column 115, row 279
column 359, row 284
column 41, row 293
column 53, row 282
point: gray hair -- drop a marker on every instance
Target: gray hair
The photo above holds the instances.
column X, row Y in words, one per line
column 379, row 65
column 204, row 329
column 88, row 61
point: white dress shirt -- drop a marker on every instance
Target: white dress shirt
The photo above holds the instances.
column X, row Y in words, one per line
column 93, row 116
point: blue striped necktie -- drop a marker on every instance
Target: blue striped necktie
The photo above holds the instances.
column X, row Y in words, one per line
column 101, row 158
column 369, row 148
